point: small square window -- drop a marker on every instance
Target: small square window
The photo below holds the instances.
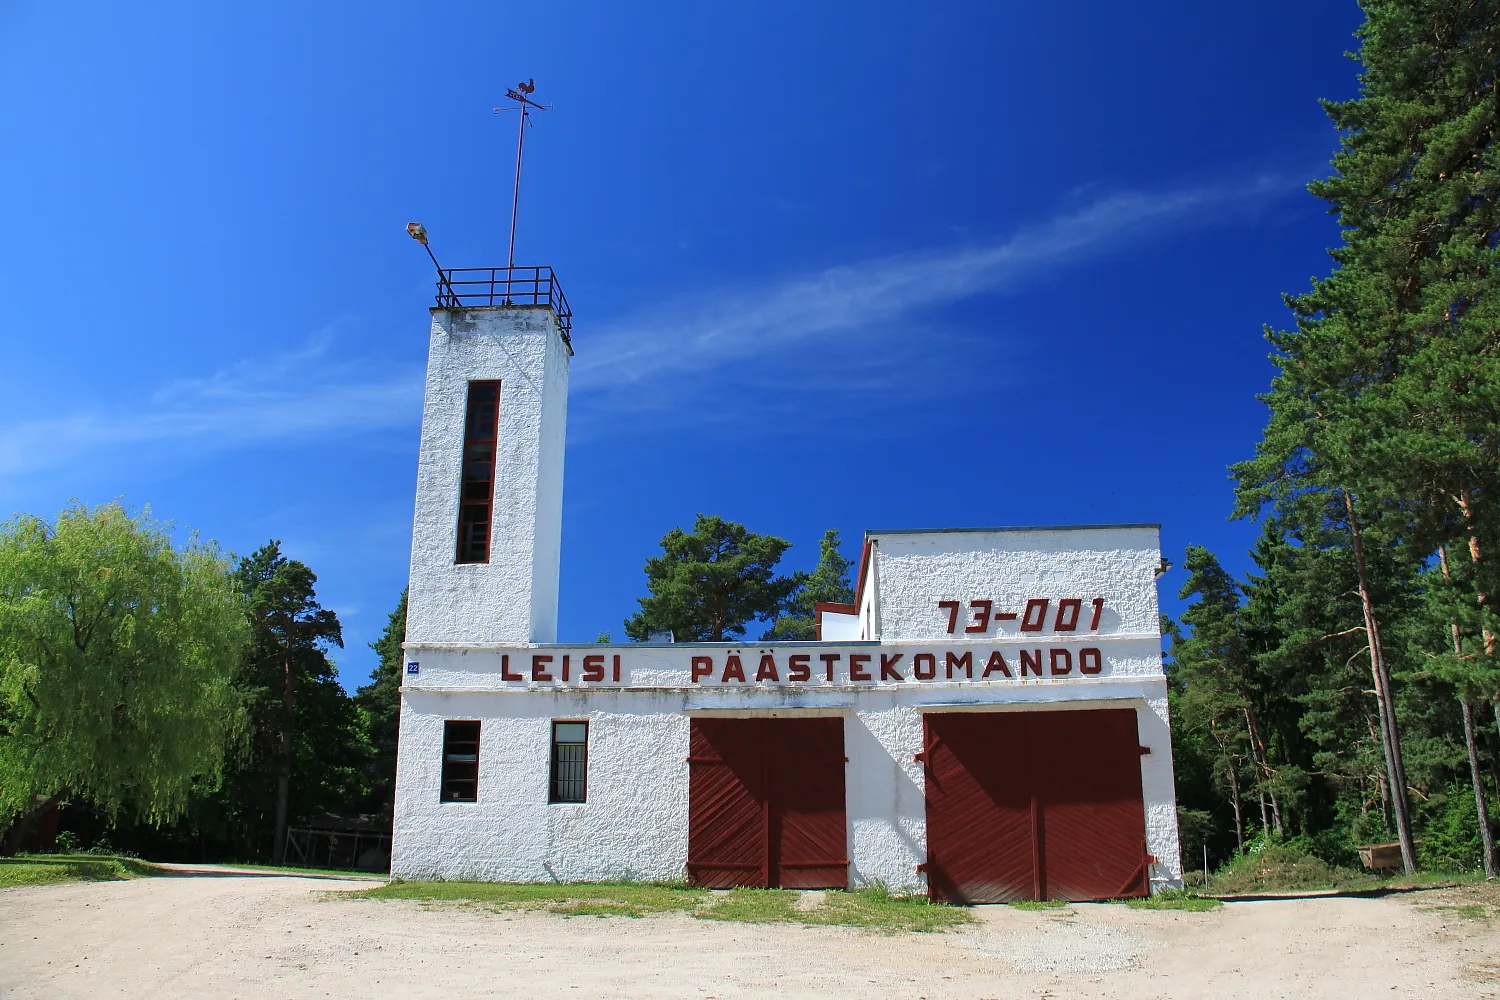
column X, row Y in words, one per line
column 570, row 762
column 460, row 781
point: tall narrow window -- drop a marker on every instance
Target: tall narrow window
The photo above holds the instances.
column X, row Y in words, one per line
column 481, row 428
column 570, row 761
column 460, row 762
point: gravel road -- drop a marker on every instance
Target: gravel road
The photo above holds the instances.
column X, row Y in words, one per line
column 255, row 936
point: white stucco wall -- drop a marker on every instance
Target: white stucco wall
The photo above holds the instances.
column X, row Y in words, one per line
column 634, row 824
column 513, row 597
column 834, row 626
column 913, row 570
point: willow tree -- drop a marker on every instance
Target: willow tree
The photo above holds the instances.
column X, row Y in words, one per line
column 118, row 653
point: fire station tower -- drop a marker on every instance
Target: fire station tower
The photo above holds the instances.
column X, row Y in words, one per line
column 491, row 461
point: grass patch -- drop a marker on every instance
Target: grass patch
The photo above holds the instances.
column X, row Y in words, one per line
column 599, row 899
column 45, row 869
column 878, row 909
column 1173, row 899
column 1033, row 904
column 1467, row 911
column 1425, row 880
column 874, row 909
column 754, row 906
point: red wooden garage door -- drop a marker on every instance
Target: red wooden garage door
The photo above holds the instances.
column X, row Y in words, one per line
column 766, row 803
column 1034, row 805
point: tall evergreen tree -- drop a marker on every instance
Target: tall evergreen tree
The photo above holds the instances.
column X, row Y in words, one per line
column 1417, row 187
column 1208, row 709
column 710, row 584
column 297, row 703
column 380, row 703
column 827, row 584
column 1473, row 676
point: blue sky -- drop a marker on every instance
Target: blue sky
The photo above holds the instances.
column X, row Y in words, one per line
column 852, row 265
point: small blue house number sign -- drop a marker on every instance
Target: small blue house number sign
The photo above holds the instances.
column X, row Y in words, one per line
column 413, row 668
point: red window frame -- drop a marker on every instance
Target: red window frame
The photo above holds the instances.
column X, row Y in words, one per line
column 476, row 487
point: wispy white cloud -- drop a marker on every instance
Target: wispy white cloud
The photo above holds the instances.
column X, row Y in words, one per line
column 654, row 360
column 305, row 393
column 704, row 332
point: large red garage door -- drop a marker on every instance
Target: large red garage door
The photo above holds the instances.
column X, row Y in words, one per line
column 766, row 803
column 1034, row 805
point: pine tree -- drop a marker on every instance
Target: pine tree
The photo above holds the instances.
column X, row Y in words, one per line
column 827, row 584
column 380, row 704
column 1416, row 187
column 291, row 677
column 1472, row 676
column 1209, row 666
column 708, row 586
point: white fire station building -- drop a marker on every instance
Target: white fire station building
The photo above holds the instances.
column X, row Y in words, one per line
column 988, row 720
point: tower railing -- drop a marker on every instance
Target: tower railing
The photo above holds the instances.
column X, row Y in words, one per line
column 470, row 287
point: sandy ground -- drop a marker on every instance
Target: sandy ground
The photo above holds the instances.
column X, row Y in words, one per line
column 259, row 936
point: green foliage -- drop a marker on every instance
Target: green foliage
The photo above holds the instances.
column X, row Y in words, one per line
column 1286, row 652
column 306, row 748
column 1175, row 900
column 379, row 704
column 1389, row 383
column 876, row 908
column 117, row 658
column 828, row 583
column 1195, row 831
column 872, row 908
column 46, row 869
column 1037, row 904
column 1450, row 829
column 301, row 740
column 708, row 586
column 623, row 899
column 1272, row 865
column 308, row 751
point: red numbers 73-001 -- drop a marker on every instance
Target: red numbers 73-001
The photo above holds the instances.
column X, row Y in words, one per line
column 1038, row 615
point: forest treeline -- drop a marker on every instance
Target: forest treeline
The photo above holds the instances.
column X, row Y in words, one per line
column 1346, row 690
